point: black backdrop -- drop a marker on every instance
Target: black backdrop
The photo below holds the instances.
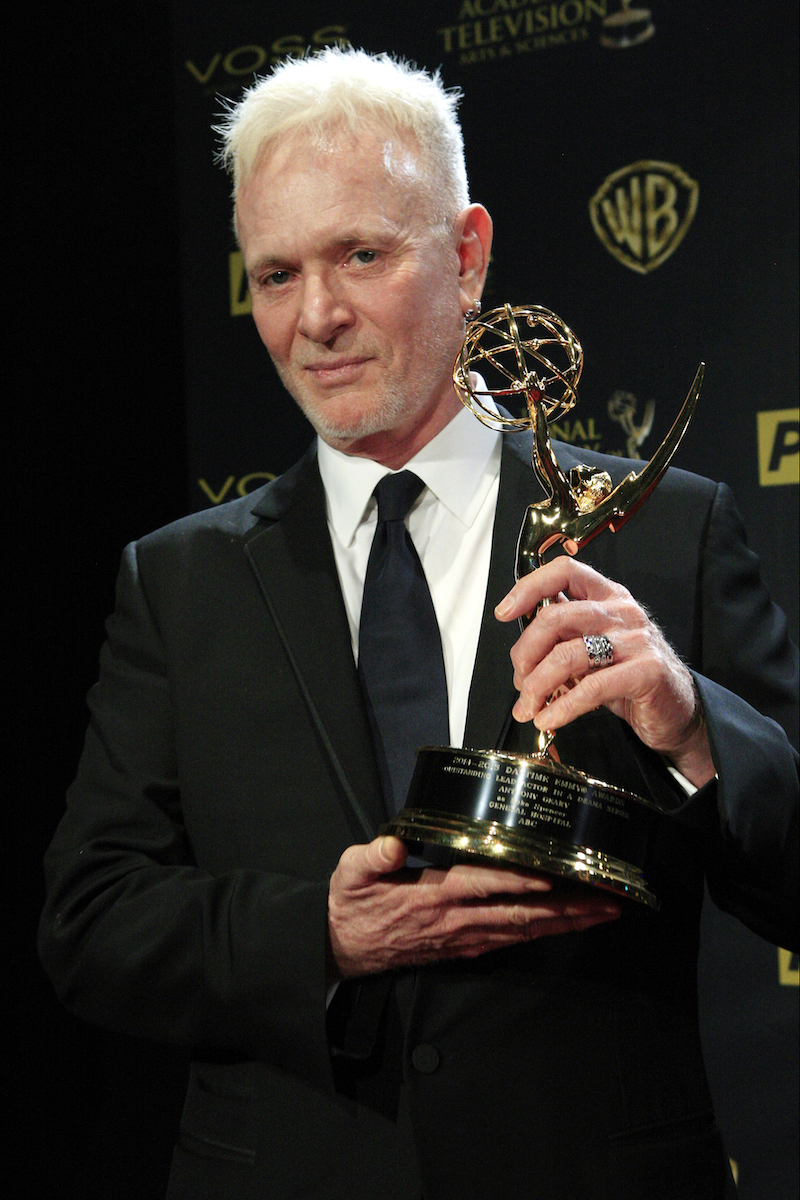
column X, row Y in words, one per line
column 134, row 377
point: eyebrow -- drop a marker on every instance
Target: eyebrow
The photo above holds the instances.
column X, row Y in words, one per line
column 272, row 262
column 267, row 262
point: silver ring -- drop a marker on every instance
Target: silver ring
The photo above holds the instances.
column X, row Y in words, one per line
column 599, row 649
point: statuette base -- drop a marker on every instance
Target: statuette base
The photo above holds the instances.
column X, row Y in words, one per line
column 530, row 812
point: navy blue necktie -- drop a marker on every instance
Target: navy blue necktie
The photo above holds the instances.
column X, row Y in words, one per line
column 400, row 659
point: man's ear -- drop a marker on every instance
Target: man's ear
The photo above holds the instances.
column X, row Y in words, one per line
column 474, row 227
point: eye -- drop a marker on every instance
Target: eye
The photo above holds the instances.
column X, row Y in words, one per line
column 275, row 279
column 365, row 257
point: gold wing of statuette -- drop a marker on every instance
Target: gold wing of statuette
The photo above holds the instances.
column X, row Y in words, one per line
column 628, row 496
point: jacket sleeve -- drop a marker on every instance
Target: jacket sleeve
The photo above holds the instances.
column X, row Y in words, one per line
column 747, row 676
column 135, row 935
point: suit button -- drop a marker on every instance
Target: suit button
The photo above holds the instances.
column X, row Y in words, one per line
column 425, row 1058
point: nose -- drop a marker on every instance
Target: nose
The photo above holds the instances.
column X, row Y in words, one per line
column 324, row 311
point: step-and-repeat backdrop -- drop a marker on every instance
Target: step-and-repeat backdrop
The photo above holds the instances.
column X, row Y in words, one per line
column 640, row 166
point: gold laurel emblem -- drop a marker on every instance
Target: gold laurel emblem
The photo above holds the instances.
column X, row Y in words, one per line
column 628, row 27
column 641, row 213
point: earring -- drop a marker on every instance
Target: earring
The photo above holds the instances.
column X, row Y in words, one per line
column 473, row 312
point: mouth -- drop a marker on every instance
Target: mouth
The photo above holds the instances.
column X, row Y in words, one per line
column 336, row 372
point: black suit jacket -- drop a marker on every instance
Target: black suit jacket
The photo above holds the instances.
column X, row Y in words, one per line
column 227, row 766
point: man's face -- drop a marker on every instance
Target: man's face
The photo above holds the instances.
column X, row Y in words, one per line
column 355, row 291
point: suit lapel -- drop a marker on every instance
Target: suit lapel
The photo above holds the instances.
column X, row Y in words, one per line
column 492, row 693
column 293, row 561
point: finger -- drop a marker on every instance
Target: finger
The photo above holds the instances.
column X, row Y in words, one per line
column 480, row 928
column 361, row 865
column 567, row 665
column 587, row 906
column 559, row 624
column 386, row 854
column 563, row 574
column 567, row 903
column 467, row 883
column 655, row 697
column 566, row 923
column 589, row 693
column 638, row 691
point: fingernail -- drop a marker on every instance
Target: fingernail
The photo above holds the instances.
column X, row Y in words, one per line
column 504, row 607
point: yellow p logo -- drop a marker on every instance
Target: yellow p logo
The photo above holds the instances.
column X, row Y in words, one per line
column 779, row 446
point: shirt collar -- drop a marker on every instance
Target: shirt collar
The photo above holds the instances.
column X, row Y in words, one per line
column 459, row 466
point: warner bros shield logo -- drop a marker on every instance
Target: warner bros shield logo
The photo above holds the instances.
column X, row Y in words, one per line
column 641, row 213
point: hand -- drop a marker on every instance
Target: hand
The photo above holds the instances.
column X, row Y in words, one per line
column 381, row 916
column 646, row 685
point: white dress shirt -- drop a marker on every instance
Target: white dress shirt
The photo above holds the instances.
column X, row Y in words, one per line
column 450, row 525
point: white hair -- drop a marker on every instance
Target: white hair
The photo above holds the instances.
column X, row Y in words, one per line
column 340, row 88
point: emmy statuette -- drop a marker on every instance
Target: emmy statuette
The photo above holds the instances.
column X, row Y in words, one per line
column 533, row 810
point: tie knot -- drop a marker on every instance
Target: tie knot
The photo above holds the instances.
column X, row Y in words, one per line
column 395, row 494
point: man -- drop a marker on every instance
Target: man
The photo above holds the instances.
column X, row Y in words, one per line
column 361, row 1028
